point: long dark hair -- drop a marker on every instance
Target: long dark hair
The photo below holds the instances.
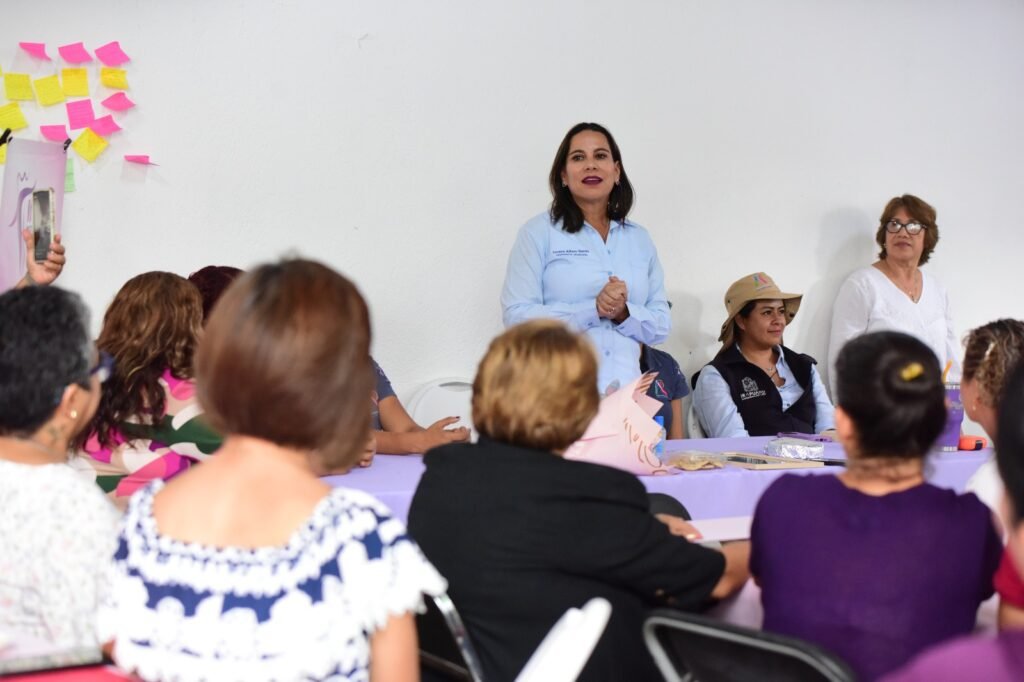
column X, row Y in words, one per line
column 563, row 206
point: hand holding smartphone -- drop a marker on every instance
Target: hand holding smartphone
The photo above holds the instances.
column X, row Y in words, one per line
column 43, row 221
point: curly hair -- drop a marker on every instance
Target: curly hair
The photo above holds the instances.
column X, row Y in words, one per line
column 991, row 353
column 151, row 326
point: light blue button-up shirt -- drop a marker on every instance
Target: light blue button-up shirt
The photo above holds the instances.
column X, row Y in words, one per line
column 552, row 273
column 716, row 410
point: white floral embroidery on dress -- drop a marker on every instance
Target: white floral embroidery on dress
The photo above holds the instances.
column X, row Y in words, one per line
column 305, row 610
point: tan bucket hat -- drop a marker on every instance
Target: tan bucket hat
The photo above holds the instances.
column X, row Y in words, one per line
column 756, row 287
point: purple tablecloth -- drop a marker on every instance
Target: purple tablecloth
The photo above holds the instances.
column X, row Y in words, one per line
column 708, row 494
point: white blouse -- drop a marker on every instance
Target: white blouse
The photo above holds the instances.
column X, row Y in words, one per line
column 868, row 301
column 304, row 610
column 57, row 535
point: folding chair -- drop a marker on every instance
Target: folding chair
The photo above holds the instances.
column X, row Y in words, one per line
column 690, row 648
column 567, row 647
column 445, row 650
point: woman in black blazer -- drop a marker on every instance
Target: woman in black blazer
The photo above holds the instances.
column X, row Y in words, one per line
column 522, row 534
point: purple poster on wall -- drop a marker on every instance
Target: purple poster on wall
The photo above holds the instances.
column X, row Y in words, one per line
column 32, row 198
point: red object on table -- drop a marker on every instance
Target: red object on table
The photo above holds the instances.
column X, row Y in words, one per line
column 972, row 443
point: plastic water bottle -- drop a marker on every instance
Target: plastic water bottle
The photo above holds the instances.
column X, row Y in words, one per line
column 659, row 448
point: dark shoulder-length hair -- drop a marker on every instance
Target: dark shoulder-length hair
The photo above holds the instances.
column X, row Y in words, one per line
column 563, row 206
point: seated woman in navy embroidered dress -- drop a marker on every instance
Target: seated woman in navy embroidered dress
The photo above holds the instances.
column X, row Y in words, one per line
column 755, row 386
column 249, row 567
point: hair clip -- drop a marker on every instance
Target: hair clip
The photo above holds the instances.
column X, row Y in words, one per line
column 911, row 371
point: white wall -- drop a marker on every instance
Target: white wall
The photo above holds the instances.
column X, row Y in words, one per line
column 405, row 142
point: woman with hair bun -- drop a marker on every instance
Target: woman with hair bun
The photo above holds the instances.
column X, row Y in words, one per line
column 991, row 353
column 876, row 564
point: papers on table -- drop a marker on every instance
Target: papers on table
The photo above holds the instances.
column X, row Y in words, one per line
column 724, row 529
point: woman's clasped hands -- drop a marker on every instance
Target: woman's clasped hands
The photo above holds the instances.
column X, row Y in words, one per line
column 611, row 301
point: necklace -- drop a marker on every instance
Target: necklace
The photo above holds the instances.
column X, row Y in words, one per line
column 772, row 370
column 914, row 291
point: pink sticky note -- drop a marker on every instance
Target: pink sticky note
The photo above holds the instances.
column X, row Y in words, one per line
column 139, row 158
column 111, row 54
column 118, row 102
column 37, row 50
column 55, row 133
column 75, row 53
column 80, row 114
column 104, row 125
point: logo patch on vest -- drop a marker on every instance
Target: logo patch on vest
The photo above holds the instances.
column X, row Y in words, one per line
column 750, row 389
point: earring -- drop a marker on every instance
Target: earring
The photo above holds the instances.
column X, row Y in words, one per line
column 564, row 183
column 73, row 414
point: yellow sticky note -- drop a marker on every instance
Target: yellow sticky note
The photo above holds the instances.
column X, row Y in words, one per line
column 48, row 91
column 75, row 82
column 89, row 145
column 11, row 117
column 114, row 78
column 18, row 86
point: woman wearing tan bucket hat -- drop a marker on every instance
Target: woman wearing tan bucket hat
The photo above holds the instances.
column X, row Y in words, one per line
column 755, row 386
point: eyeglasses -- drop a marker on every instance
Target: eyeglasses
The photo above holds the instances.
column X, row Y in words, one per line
column 894, row 226
column 104, row 367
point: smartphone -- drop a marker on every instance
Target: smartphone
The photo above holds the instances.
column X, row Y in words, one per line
column 43, row 220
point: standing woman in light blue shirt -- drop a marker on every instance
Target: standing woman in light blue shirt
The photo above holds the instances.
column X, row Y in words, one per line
column 583, row 263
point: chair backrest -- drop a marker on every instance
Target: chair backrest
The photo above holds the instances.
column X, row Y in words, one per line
column 447, row 397
column 568, row 645
column 687, row 647
column 693, row 427
column 445, row 649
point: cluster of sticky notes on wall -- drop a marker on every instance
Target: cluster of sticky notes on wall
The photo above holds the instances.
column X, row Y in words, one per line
column 69, row 85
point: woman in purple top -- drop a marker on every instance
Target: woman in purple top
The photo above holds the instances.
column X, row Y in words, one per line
column 875, row 564
column 999, row 659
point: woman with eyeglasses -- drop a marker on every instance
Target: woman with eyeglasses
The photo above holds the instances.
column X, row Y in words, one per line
column 57, row 531
column 893, row 293
column 149, row 424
